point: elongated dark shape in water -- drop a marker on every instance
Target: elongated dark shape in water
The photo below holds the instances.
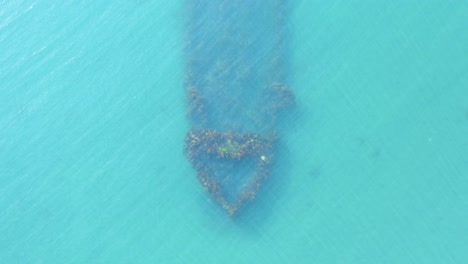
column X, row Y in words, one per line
column 235, row 82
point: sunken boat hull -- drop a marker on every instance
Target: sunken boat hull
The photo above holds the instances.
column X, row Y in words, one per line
column 235, row 83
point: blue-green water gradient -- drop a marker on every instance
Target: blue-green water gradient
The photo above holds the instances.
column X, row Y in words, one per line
column 372, row 165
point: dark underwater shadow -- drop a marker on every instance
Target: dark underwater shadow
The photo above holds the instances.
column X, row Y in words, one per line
column 255, row 214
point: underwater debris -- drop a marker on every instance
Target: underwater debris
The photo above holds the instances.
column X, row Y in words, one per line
column 235, row 84
column 206, row 149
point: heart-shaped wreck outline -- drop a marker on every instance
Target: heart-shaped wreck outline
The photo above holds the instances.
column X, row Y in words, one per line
column 204, row 145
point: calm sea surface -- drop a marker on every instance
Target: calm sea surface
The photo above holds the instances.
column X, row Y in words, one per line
column 371, row 167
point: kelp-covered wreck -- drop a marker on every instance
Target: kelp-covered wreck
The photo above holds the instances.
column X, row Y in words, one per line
column 235, row 83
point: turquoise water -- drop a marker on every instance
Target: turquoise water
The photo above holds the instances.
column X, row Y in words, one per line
column 372, row 166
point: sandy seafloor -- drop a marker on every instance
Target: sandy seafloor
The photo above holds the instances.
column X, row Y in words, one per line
column 372, row 165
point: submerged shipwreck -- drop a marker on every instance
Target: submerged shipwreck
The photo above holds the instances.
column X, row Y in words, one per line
column 236, row 86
